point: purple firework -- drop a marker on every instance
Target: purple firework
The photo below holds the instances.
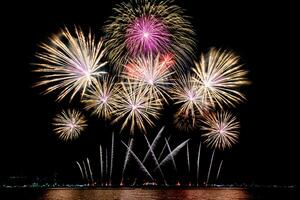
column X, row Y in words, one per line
column 145, row 35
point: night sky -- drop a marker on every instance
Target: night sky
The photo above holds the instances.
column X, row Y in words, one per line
column 260, row 34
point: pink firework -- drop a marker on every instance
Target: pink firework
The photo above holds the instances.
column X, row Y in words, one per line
column 145, row 35
column 147, row 68
column 154, row 72
column 167, row 59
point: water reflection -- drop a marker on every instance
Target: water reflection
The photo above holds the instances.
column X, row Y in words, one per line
column 143, row 194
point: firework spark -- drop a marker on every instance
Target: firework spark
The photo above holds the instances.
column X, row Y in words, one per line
column 134, row 107
column 187, row 94
column 153, row 72
column 222, row 130
column 69, row 124
column 70, row 62
column 142, row 27
column 100, row 98
column 220, row 75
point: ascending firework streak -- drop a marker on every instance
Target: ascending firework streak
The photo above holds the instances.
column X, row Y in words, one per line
column 155, row 159
column 142, row 166
column 144, row 27
column 135, row 108
column 210, row 164
column 219, row 169
column 101, row 96
column 172, row 153
column 69, row 124
column 198, row 163
column 127, row 156
column 106, row 166
column 221, row 132
column 153, row 145
column 90, row 170
column 80, row 168
column 111, row 157
column 70, row 63
column 163, row 149
column 220, row 75
column 152, row 72
column 188, row 160
column 85, row 171
column 101, row 164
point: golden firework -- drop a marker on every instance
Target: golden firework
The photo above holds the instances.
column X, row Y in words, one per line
column 101, row 97
column 68, row 125
column 70, row 62
column 134, row 107
column 191, row 101
column 220, row 75
column 221, row 130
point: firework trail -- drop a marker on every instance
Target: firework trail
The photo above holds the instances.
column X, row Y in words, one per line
column 70, row 63
column 220, row 75
column 172, row 153
column 101, row 163
column 100, row 97
column 111, row 157
column 188, row 159
column 144, row 27
column 163, row 149
column 142, row 166
column 90, row 170
column 80, row 169
column 106, row 166
column 198, row 163
column 221, row 130
column 152, row 146
column 154, row 73
column 69, row 124
column 155, row 159
column 220, row 166
column 135, row 108
column 210, row 164
column 85, row 171
column 154, row 143
column 126, row 159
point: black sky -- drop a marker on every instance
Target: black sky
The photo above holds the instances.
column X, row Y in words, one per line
column 261, row 34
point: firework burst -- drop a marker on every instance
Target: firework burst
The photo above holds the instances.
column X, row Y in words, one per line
column 154, row 73
column 142, row 27
column 134, row 107
column 101, row 97
column 220, row 75
column 69, row 124
column 70, row 62
column 147, row 35
column 187, row 94
column 222, row 130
